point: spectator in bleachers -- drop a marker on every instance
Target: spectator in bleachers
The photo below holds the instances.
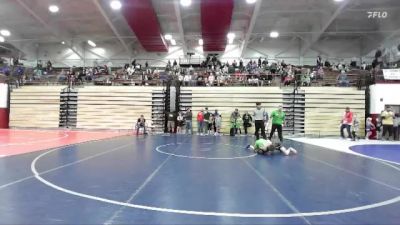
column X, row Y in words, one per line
column 274, row 68
column 342, row 80
column 346, row 122
column 283, row 64
column 319, row 62
column 188, row 121
column 234, row 64
column 305, row 80
column 364, row 66
column 265, row 63
column 221, row 80
column 187, row 80
column 181, row 78
column 259, row 62
column 387, row 122
column 328, row 64
column 211, row 80
column 200, row 122
column 320, row 73
column 49, row 67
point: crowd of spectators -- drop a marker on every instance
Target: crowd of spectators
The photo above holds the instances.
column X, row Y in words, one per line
column 210, row 72
column 385, row 127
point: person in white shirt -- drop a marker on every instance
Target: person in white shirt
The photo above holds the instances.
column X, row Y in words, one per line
column 211, row 80
column 187, row 79
column 260, row 117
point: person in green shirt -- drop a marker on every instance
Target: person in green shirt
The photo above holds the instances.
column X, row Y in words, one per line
column 278, row 118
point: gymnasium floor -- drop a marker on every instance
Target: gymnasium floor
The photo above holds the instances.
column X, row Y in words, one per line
column 113, row 178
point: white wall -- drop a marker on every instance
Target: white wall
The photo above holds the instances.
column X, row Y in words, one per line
column 3, row 96
column 383, row 94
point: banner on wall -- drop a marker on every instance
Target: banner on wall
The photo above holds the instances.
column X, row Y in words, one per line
column 391, row 74
column 3, row 96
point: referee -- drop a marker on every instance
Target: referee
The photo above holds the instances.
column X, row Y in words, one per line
column 260, row 118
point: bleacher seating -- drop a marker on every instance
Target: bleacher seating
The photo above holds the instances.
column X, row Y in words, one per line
column 325, row 106
column 120, row 107
column 113, row 107
column 35, row 107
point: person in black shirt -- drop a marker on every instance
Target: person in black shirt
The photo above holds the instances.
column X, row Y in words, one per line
column 49, row 66
column 171, row 122
column 188, row 121
column 141, row 123
column 247, row 120
column 207, row 121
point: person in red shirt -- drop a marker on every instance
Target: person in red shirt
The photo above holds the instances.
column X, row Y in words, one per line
column 200, row 122
column 346, row 122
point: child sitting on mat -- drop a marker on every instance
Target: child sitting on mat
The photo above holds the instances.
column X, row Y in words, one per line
column 263, row 146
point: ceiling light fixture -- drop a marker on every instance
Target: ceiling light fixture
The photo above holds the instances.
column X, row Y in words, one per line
column 2, row 39
column 5, row 33
column 186, row 3
column 274, row 34
column 63, row 42
column 168, row 37
column 173, row 42
column 54, row 9
column 201, row 42
column 116, row 4
column 231, row 36
column 251, row 1
column 91, row 43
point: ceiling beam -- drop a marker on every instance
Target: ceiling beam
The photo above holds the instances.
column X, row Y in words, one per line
column 53, row 30
column 260, row 52
column 315, row 37
column 252, row 23
column 375, row 43
column 289, row 47
column 113, row 28
column 180, row 25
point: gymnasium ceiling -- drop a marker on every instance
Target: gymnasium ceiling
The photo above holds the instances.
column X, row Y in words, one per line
column 310, row 21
